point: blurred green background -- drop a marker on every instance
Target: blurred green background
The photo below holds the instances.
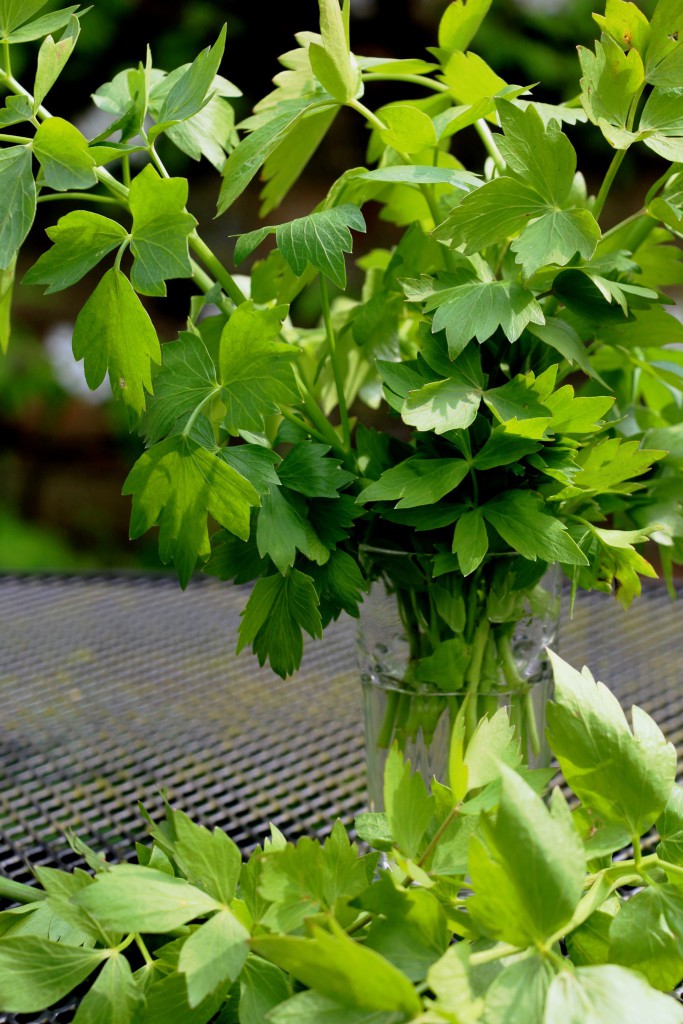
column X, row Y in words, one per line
column 64, row 452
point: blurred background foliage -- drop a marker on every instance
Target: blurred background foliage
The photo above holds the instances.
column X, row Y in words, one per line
column 64, row 452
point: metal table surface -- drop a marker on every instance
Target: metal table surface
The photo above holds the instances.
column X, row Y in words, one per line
column 116, row 689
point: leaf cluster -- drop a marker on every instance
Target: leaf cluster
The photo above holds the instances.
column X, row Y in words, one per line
column 497, row 906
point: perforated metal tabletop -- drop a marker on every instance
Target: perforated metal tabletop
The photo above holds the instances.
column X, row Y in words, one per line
column 115, row 689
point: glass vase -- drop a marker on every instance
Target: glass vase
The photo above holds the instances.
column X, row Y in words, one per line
column 417, row 670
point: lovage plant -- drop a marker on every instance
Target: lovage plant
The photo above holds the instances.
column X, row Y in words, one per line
column 500, row 394
column 460, row 930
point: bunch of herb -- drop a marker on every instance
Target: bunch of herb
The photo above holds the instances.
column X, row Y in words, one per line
column 520, row 360
column 498, row 908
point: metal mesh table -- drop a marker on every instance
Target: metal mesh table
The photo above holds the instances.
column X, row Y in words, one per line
column 114, row 690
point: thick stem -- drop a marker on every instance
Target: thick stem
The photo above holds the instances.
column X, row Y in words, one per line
column 86, row 197
column 486, row 136
column 612, row 171
column 428, row 83
column 336, row 369
column 214, row 265
column 20, row 893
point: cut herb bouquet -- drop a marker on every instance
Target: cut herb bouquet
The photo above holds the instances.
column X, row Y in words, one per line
column 500, row 394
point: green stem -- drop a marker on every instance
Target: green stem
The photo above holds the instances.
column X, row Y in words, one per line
column 481, row 637
column 428, row 83
column 7, row 60
column 612, row 171
column 212, row 263
column 196, row 411
column 287, row 414
column 486, row 136
column 367, row 114
column 20, row 893
column 140, row 943
column 120, row 251
column 21, row 140
column 436, row 838
column 88, row 197
column 665, row 865
column 488, row 956
column 156, row 160
column 336, row 370
column 125, row 169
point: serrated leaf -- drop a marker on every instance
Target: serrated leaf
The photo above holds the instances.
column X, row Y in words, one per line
column 626, row 24
column 186, row 380
column 470, row 79
column 161, row 227
column 521, row 520
column 64, row 156
column 492, row 213
column 609, row 467
column 408, row 806
column 52, row 58
column 114, row 998
column 321, row 239
column 248, row 157
column 494, row 742
column 646, row 936
column 15, row 110
column 629, row 783
column 256, row 369
column 666, row 33
column 611, row 79
column 564, row 339
column 541, row 155
column 504, row 905
column 212, row 955
column 80, row 240
column 35, row 973
column 278, row 608
column 443, row 405
column 555, row 238
column 282, row 530
column 114, row 332
column 208, row 859
column 503, row 449
column 17, row 200
column 175, row 484
column 670, row 828
column 478, row 309
column 416, row 482
column 662, row 124
column 308, row 470
column 519, row 992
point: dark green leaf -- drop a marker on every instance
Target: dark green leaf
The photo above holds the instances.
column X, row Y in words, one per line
column 476, row 310
column 521, row 520
column 417, row 482
column 278, row 608
column 470, row 541
column 161, row 227
column 175, row 484
column 308, row 470
column 283, row 529
column 186, row 380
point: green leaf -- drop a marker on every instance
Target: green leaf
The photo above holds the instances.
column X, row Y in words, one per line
column 255, row 463
column 17, row 200
column 670, row 828
column 478, row 309
column 308, row 470
column 248, row 157
column 409, row 808
column 408, row 129
column 16, row 110
column 114, row 998
column 416, row 482
column 520, row 401
column 114, row 332
column 332, row 62
column 662, row 124
column 256, row 369
column 342, row 970
column 311, row 1008
column 492, row 213
column 470, row 79
column 406, row 174
column 14, row 13
column 129, row 898
column 285, row 165
column 541, row 155
column 525, row 832
column 646, row 936
column 35, row 973
column 555, row 238
column 564, row 339
column 319, row 240
column 209, row 860
column 161, row 227
column 519, row 992
column 42, row 26
column 190, row 92
column 167, row 998
column 494, row 742
column 609, row 467
column 611, row 80
column 593, row 995
column 6, row 288
column 460, row 23
column 503, row 449
column 470, row 541
column 443, row 405
column 175, row 484
column 626, row 24
column 64, row 156
column 278, row 608
column 81, row 239
column 625, row 777
column 52, row 58
column 213, row 954
column 414, row 936
column 666, row 33
column 449, row 980
column 186, row 380
column 521, row 520
column 282, row 530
